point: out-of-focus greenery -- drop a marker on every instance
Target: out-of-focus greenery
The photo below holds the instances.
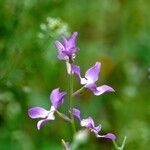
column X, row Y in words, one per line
column 114, row 32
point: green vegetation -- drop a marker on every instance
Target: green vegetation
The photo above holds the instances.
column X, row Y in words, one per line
column 114, row 32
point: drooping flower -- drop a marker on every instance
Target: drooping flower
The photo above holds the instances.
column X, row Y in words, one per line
column 69, row 49
column 89, row 123
column 91, row 76
column 57, row 99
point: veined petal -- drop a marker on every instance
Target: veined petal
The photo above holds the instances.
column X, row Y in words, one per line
column 41, row 123
column 92, row 74
column 62, row 56
column 50, row 116
column 88, row 122
column 76, row 113
column 99, row 90
column 59, row 46
column 71, row 42
column 61, row 49
column 73, row 38
column 37, row 112
column 108, row 136
column 98, row 128
column 57, row 97
column 76, row 70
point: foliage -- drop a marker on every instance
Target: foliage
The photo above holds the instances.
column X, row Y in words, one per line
column 114, row 32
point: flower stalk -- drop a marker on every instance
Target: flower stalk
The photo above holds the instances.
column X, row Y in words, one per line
column 71, row 102
column 78, row 91
column 120, row 147
column 67, row 52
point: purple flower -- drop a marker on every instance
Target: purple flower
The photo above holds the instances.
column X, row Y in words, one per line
column 89, row 123
column 69, row 48
column 91, row 76
column 57, row 99
column 76, row 113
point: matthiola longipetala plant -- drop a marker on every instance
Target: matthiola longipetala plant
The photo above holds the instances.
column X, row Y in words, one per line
column 67, row 51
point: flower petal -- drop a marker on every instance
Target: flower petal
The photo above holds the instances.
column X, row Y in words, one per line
column 49, row 117
column 57, row 97
column 88, row 122
column 70, row 44
column 108, row 136
column 76, row 70
column 59, row 46
column 41, row 123
column 61, row 55
column 76, row 113
column 99, row 90
column 98, row 128
column 92, row 74
column 73, row 38
column 37, row 112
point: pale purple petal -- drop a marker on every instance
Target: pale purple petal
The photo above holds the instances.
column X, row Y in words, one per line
column 110, row 136
column 57, row 97
column 99, row 90
column 59, row 46
column 92, row 74
column 76, row 70
column 88, row 122
column 37, row 112
column 50, row 116
column 41, row 123
column 76, row 113
column 98, row 128
column 73, row 38
column 62, row 56
column 70, row 44
column 61, row 49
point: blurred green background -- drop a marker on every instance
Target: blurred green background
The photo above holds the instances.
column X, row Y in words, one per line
column 114, row 32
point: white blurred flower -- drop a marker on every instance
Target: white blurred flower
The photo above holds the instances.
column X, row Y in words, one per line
column 53, row 27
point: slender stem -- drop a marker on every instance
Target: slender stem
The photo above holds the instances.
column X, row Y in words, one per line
column 122, row 146
column 72, row 103
column 78, row 91
column 63, row 116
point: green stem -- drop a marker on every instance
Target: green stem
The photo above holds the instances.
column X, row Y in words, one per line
column 122, row 146
column 72, row 103
column 63, row 116
column 78, row 91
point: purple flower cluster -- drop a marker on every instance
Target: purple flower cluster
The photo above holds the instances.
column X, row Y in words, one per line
column 67, row 52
